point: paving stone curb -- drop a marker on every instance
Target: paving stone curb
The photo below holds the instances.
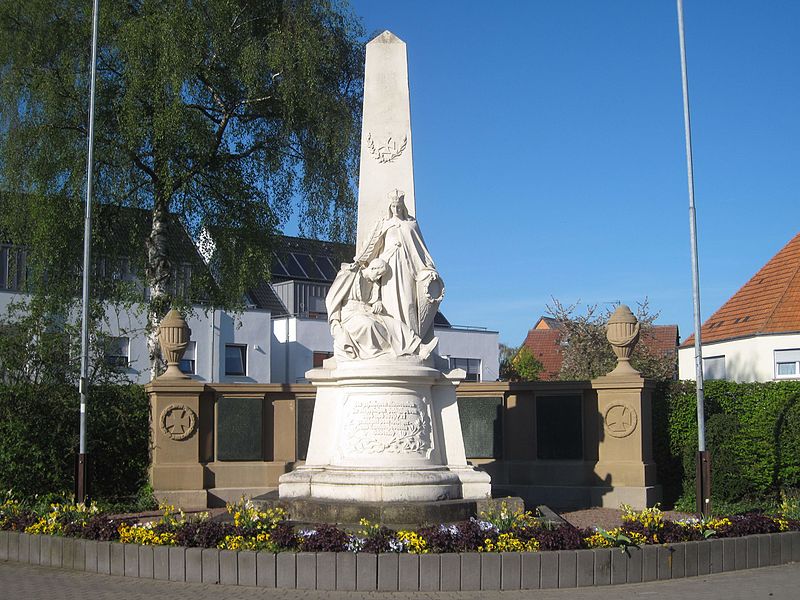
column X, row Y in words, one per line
column 405, row 572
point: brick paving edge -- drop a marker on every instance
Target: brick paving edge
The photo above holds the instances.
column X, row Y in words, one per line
column 394, row 572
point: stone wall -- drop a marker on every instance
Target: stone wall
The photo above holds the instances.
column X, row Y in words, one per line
column 566, row 444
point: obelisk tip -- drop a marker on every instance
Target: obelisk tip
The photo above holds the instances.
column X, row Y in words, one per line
column 387, row 37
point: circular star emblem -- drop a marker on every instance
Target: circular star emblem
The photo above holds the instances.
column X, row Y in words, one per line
column 178, row 421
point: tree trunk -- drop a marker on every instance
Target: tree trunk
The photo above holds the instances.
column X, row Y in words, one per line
column 158, row 274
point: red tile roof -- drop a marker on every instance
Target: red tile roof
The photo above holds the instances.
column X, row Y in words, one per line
column 545, row 344
column 768, row 303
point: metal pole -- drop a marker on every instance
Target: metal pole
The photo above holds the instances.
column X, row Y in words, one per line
column 703, row 469
column 81, row 483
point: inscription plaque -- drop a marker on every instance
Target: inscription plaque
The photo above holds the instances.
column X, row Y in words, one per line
column 305, row 415
column 559, row 427
column 481, row 426
column 386, row 423
column 239, row 428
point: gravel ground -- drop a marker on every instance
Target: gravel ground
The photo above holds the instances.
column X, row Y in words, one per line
column 607, row 518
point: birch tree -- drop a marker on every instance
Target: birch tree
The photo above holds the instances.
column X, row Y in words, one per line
column 223, row 116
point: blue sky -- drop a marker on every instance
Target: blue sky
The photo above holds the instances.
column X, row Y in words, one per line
column 549, row 150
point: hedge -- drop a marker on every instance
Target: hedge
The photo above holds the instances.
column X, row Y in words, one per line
column 752, row 433
column 39, row 432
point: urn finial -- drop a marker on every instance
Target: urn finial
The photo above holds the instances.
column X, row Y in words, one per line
column 173, row 336
column 622, row 333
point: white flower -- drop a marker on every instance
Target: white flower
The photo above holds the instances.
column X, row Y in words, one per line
column 307, row 533
column 355, row 543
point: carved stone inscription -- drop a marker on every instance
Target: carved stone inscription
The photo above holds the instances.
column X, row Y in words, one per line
column 386, row 423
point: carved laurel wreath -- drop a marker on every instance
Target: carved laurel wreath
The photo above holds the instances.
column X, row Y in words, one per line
column 388, row 151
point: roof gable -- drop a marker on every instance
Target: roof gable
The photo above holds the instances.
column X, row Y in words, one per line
column 768, row 303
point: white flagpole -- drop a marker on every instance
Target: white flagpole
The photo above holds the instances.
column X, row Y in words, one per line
column 703, row 464
column 81, row 482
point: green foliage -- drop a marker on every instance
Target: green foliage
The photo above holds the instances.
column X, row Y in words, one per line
column 752, row 433
column 231, row 115
column 519, row 365
column 42, row 348
column 39, row 440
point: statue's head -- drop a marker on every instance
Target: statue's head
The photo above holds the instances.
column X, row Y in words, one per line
column 375, row 269
column 397, row 204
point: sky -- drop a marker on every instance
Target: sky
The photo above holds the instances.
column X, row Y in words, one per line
column 549, row 155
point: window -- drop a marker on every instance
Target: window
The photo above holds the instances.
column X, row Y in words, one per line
column 787, row 364
column 235, row 359
column 117, row 352
column 13, row 268
column 471, row 365
column 188, row 361
column 714, row 367
column 319, row 357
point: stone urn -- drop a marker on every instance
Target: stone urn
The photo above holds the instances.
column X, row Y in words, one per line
column 622, row 333
column 173, row 336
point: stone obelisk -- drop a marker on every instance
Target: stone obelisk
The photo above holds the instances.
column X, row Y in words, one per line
column 386, row 159
column 386, row 428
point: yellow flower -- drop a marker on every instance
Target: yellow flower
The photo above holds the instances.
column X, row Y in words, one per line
column 508, row 542
column 414, row 543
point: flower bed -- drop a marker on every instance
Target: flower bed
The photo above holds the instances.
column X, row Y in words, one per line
column 499, row 530
column 502, row 550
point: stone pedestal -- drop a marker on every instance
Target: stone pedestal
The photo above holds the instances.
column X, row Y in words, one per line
column 385, row 431
column 176, row 472
column 625, row 449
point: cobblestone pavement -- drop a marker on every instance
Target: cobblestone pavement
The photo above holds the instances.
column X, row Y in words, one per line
column 26, row 582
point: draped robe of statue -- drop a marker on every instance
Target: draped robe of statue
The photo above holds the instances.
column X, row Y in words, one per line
column 364, row 334
column 414, row 291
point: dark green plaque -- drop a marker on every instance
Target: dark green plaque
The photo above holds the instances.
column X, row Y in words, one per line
column 240, row 428
column 305, row 414
column 559, row 427
column 481, row 425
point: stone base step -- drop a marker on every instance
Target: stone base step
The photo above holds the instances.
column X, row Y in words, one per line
column 396, row 515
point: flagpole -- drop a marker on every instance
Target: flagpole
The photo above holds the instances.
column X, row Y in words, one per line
column 81, row 475
column 703, row 465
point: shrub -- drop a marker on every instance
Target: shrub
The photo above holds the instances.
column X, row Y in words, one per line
column 39, row 439
column 753, row 435
column 325, row 538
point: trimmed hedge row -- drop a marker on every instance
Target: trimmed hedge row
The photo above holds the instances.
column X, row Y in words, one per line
column 752, row 432
column 39, row 431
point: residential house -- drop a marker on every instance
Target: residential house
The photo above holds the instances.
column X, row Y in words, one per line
column 755, row 335
column 226, row 347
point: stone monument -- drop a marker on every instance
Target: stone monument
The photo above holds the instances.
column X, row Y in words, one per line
column 386, row 426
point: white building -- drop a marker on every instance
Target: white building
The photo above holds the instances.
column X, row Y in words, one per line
column 282, row 334
column 301, row 338
column 755, row 336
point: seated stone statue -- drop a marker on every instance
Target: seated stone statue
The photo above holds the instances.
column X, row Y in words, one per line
column 360, row 326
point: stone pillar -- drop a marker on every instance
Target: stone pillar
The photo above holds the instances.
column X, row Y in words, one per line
column 625, row 464
column 625, row 467
column 176, row 472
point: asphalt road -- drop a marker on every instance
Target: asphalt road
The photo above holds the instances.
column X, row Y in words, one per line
column 24, row 582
